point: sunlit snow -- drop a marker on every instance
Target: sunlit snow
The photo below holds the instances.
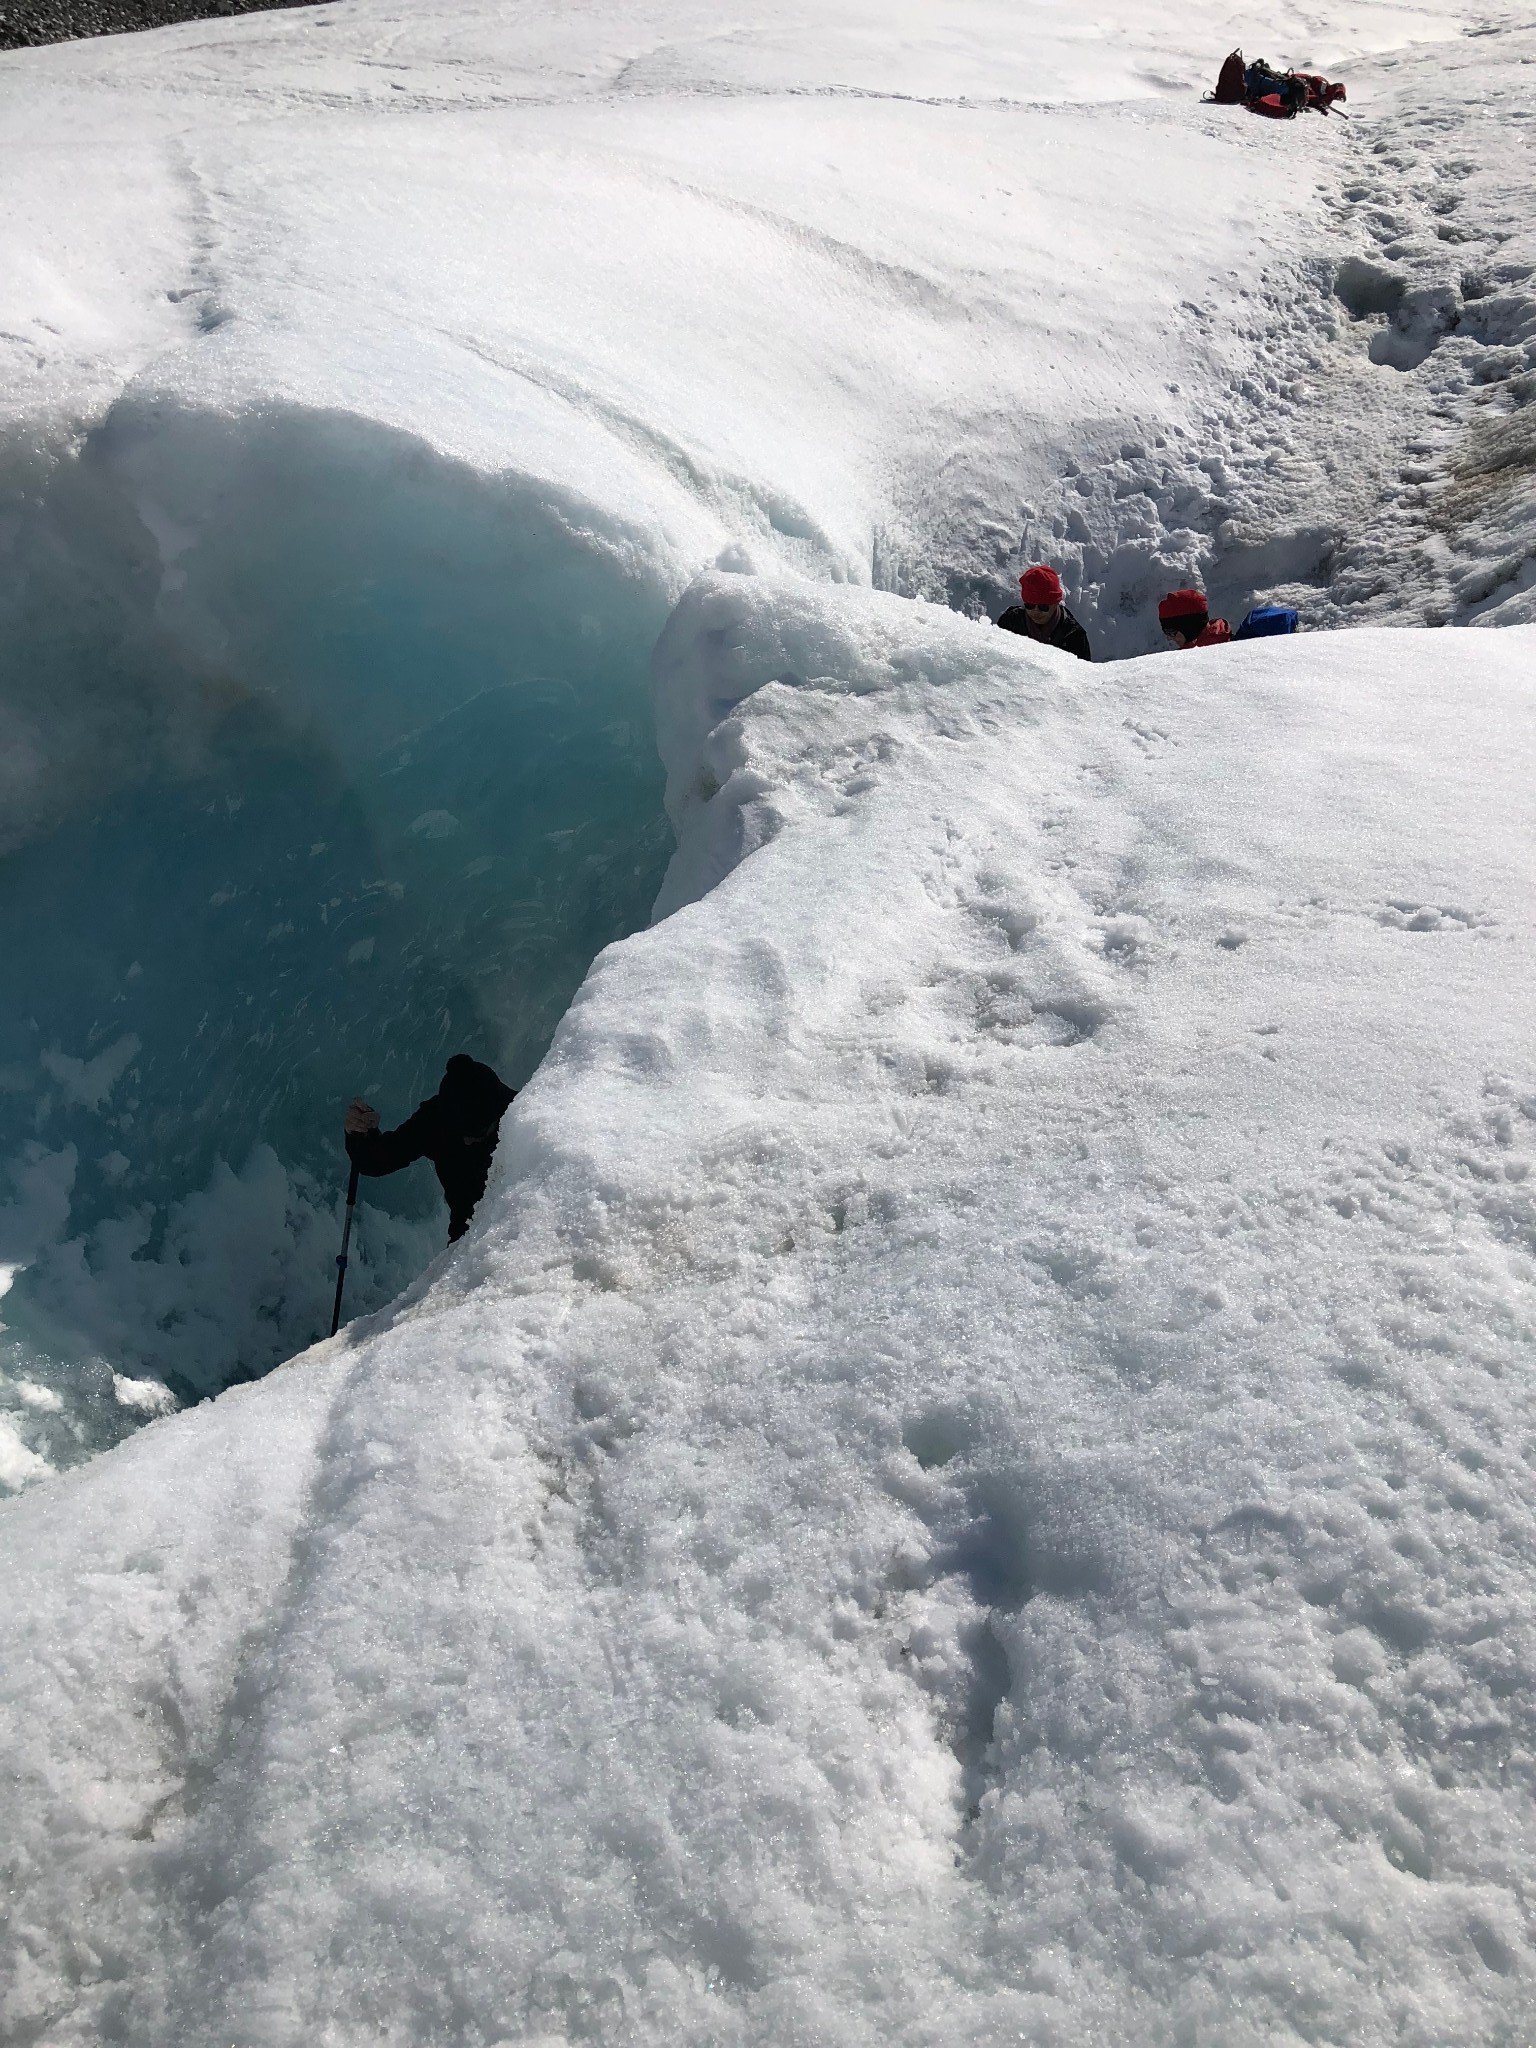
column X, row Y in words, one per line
column 969, row 1482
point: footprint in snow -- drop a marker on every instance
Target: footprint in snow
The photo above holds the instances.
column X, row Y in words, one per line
column 1401, row 913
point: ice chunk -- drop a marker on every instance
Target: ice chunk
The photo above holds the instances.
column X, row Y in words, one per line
column 147, row 1397
column 90, row 1082
column 19, row 1465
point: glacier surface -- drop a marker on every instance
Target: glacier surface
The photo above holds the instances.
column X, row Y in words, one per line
column 970, row 1481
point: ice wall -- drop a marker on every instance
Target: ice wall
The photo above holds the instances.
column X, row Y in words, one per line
column 330, row 757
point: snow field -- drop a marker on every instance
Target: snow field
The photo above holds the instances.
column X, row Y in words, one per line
column 970, row 1477
column 971, row 1480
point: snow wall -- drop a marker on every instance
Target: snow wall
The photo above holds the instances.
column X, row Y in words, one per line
column 327, row 756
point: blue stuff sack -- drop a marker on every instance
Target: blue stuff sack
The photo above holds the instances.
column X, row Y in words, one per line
column 1266, row 619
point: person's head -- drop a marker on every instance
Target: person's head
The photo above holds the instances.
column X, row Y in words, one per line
column 473, row 1095
column 1183, row 616
column 1040, row 594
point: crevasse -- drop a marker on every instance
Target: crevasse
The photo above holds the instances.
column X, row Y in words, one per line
column 330, row 756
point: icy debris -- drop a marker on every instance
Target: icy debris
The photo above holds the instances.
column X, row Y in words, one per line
column 19, row 1465
column 435, row 825
column 146, row 1397
column 42, row 1399
column 90, row 1082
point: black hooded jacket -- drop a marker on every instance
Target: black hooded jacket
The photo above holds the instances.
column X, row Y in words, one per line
column 1064, row 632
column 456, row 1129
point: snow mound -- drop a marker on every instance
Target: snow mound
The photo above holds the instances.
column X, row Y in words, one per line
column 968, row 1480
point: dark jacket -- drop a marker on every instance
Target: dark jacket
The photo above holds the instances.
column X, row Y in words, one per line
column 1065, row 633
column 456, row 1129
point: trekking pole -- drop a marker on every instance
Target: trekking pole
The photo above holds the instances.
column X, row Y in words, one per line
column 341, row 1261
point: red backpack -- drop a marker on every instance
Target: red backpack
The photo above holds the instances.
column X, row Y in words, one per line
column 1287, row 96
column 1231, row 87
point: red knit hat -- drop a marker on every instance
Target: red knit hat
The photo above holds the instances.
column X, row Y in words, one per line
column 1183, row 604
column 1040, row 585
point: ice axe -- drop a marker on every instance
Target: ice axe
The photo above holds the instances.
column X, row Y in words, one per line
column 341, row 1257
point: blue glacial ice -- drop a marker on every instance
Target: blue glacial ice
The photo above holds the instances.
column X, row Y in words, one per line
column 333, row 757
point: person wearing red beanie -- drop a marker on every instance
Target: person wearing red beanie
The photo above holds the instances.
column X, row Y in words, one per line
column 1043, row 616
column 1185, row 618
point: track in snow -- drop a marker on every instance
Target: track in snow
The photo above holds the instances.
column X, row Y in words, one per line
column 1373, row 460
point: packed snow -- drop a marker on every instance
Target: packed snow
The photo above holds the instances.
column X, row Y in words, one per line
column 970, row 1481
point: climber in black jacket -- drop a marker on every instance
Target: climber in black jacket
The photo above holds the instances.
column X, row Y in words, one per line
column 456, row 1129
column 1043, row 616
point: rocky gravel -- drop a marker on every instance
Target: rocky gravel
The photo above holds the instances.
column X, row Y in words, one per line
column 25, row 22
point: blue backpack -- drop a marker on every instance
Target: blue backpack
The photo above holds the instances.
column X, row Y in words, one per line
column 1266, row 619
